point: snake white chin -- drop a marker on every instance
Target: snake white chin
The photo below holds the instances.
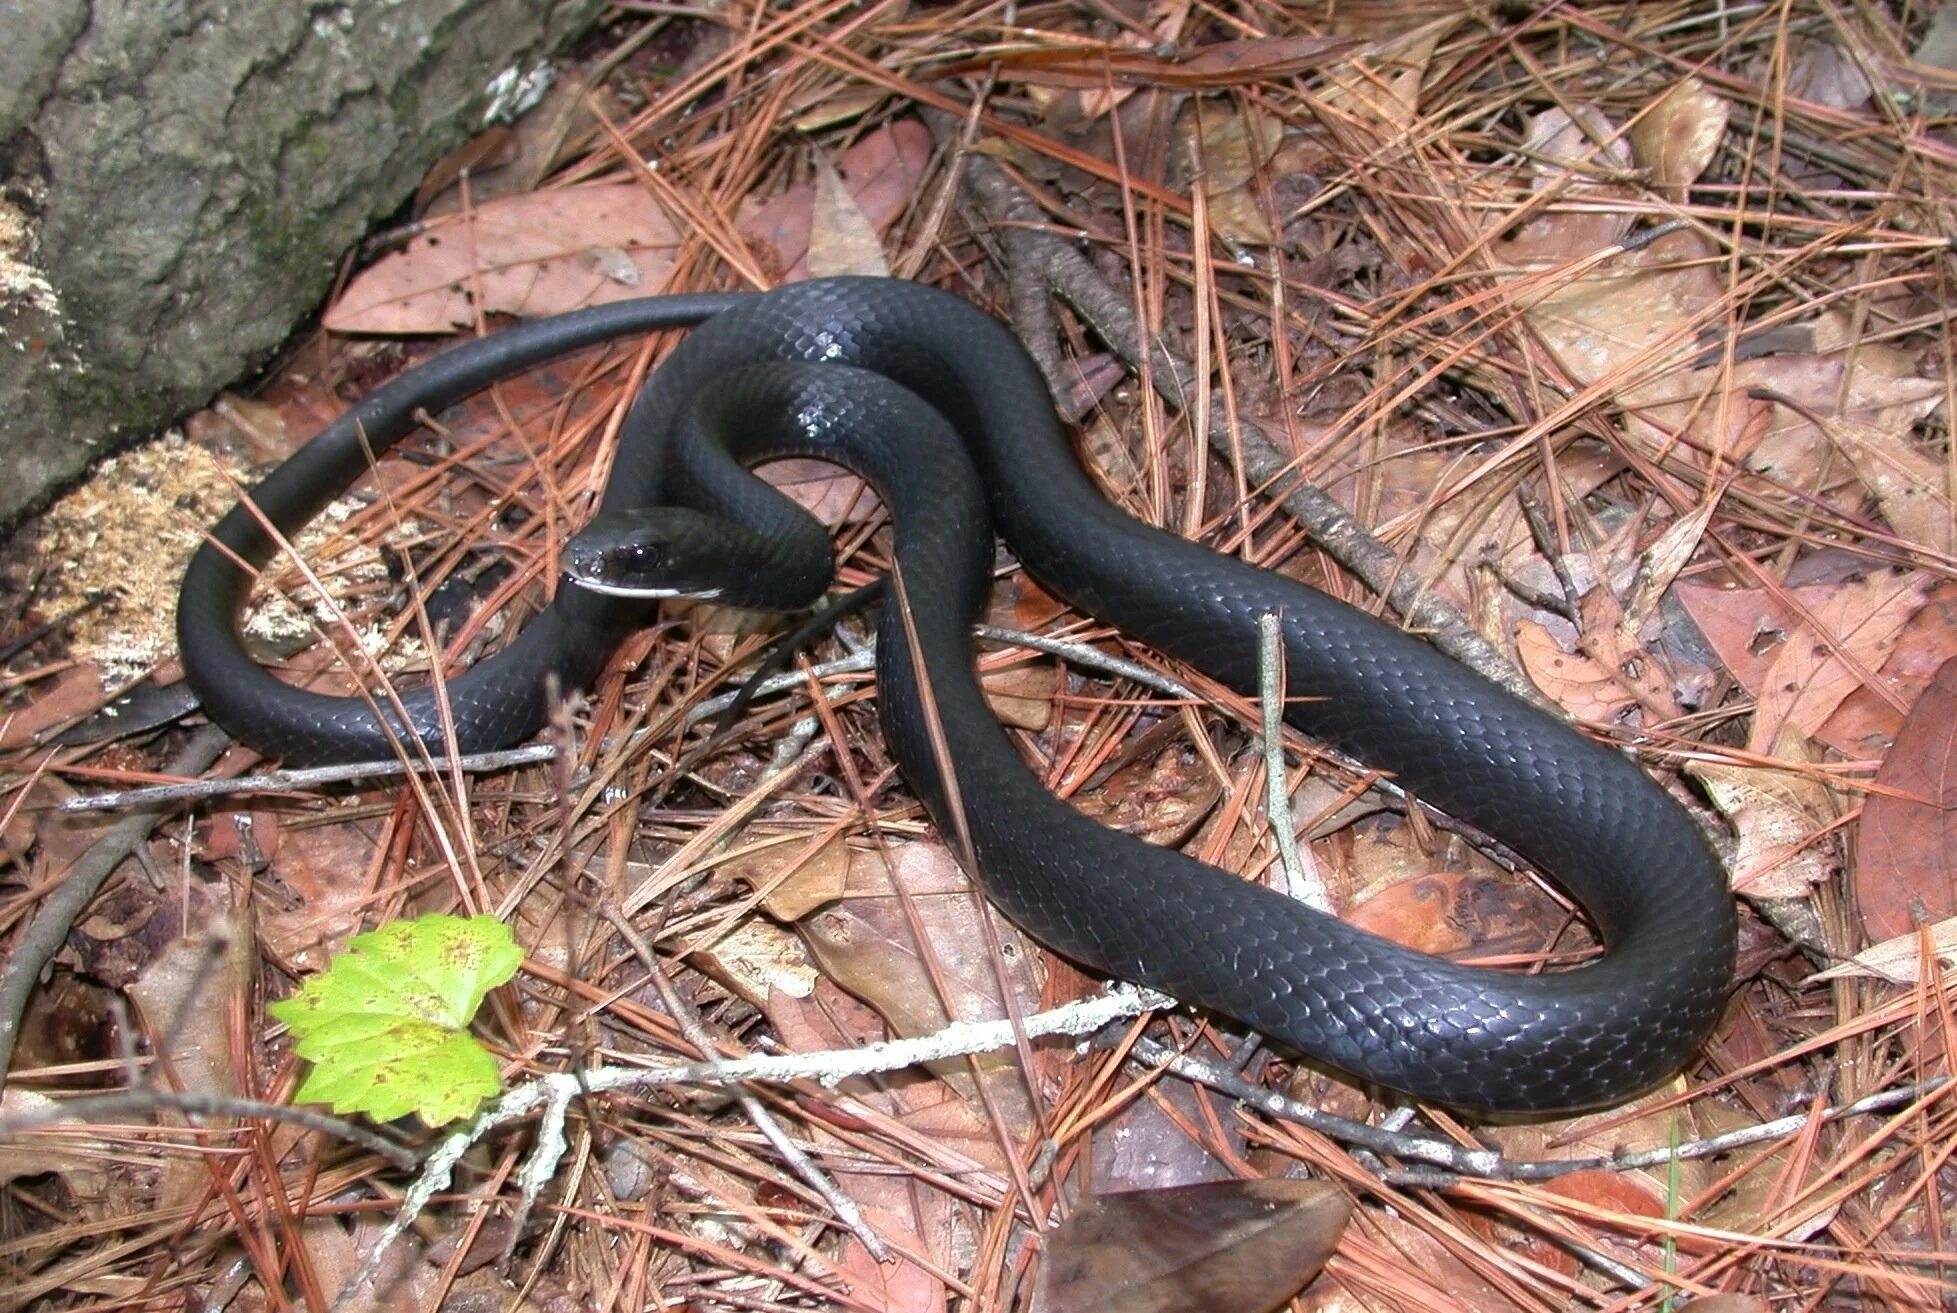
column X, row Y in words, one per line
column 642, row 594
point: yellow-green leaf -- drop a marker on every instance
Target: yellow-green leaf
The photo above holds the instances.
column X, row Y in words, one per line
column 386, row 1024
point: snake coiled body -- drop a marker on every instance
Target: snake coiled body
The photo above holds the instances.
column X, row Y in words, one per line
column 1578, row 811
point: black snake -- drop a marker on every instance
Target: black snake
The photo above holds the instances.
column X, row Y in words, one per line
column 940, row 406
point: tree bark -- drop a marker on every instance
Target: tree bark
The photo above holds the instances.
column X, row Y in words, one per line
column 178, row 179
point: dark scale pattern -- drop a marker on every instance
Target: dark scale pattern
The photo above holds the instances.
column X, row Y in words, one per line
column 1583, row 814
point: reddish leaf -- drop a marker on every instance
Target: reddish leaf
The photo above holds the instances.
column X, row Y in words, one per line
column 1909, row 827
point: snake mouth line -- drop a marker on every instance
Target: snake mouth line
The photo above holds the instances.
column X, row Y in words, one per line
column 642, row 594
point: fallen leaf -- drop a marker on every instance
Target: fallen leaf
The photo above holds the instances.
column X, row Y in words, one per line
column 1223, row 146
column 188, row 996
column 1382, row 83
column 82, row 1161
column 1757, row 1198
column 531, row 254
column 756, row 959
column 1021, row 696
column 899, row 1286
column 1906, row 874
column 1164, row 1139
column 865, row 944
column 1908, row 483
column 882, row 172
column 1455, row 913
column 1677, row 137
column 70, row 1021
column 1811, row 673
column 1725, row 1303
column 1158, row 796
column 1223, row 1247
column 842, row 240
column 1638, row 1193
column 1901, row 960
column 794, row 879
column 1748, row 628
column 1822, row 73
column 1583, row 685
column 1776, row 815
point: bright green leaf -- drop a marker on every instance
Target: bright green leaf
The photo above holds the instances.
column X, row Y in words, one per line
column 386, row 1025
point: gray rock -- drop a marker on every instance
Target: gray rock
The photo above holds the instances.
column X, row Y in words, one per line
column 179, row 178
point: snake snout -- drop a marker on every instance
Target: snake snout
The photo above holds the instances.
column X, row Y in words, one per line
column 667, row 552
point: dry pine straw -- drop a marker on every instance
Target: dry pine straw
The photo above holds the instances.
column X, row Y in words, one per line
column 1474, row 360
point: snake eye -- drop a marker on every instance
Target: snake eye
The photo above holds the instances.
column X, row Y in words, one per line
column 638, row 558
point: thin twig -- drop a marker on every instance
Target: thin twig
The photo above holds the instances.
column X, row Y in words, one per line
column 1300, row 876
column 694, row 1027
column 97, row 1106
column 858, row 662
column 64, row 906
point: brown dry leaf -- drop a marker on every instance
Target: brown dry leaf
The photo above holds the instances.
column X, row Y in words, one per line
column 756, row 960
column 835, row 104
column 881, row 173
column 1634, row 1193
column 842, row 240
column 1021, row 696
column 1628, row 324
column 1759, row 1195
column 824, row 489
column 1808, row 677
column 483, row 153
column 1746, row 626
column 864, row 943
column 915, row 1219
column 1159, row 797
column 1905, row 960
column 58, row 701
column 1612, row 675
column 1614, row 1191
column 1659, row 567
column 70, row 1019
column 1822, row 73
column 793, row 879
column 1725, row 1303
column 1391, row 1261
column 82, row 1161
column 1906, row 874
column 1224, row 146
column 1676, row 139
column 188, row 996
column 1775, row 814
column 1383, row 83
column 1223, row 1247
column 263, row 430
column 901, row 1286
column 1576, row 156
column 1455, row 913
column 1750, row 627
column 533, row 254
column 336, row 1248
column 325, row 866
column 1149, row 1144
column 1908, row 484
column 1637, row 304
column 1869, row 397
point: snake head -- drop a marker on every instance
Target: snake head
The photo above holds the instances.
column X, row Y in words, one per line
column 665, row 552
